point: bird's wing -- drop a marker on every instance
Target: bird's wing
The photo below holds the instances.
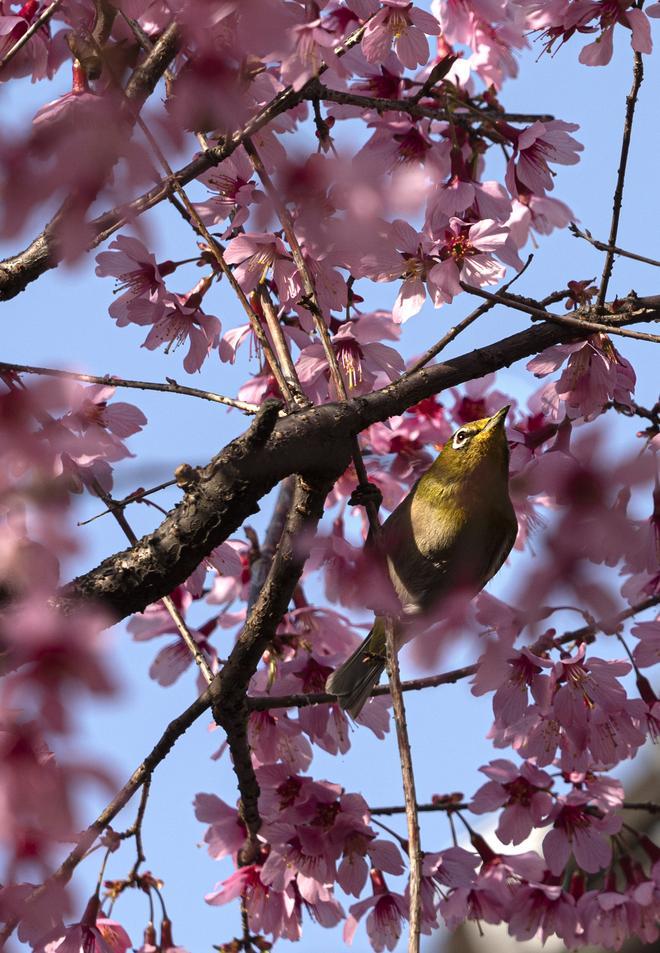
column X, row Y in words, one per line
column 503, row 541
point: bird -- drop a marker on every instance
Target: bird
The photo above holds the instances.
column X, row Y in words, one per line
column 452, row 532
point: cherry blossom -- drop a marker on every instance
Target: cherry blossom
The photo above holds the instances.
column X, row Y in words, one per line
column 537, row 146
column 183, row 319
column 232, row 191
column 577, row 830
column 139, row 281
column 403, row 24
column 387, row 912
column 362, row 359
column 524, row 794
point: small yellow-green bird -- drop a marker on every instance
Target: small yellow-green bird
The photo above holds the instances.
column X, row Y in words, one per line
column 452, row 532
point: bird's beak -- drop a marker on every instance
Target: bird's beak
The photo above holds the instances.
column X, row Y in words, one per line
column 497, row 418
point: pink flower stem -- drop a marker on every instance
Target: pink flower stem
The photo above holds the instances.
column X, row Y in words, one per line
column 29, row 33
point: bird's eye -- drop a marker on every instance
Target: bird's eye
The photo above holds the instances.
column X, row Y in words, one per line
column 461, row 437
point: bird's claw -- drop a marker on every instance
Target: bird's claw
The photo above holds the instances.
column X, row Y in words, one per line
column 366, row 493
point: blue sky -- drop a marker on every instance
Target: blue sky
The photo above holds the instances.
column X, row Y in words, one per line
column 62, row 320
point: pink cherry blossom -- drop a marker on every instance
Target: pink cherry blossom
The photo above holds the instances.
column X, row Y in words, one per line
column 599, row 53
column 94, row 933
column 255, row 254
column 314, row 47
column 577, row 830
column 647, row 650
column 32, row 60
column 226, row 833
column 139, row 281
column 400, row 23
column 543, row 910
column 466, row 253
column 537, row 146
column 183, row 319
column 596, row 372
column 387, row 912
column 365, row 363
column 232, row 190
column 515, row 675
column 524, row 794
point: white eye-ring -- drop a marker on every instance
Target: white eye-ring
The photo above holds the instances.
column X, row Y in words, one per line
column 461, row 437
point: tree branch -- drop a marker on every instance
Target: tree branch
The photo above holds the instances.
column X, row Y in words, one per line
column 41, row 20
column 171, row 387
column 631, row 102
column 602, row 246
column 229, row 688
column 450, row 805
column 540, row 314
column 317, row 441
column 586, row 634
column 226, row 694
column 43, row 253
column 412, row 107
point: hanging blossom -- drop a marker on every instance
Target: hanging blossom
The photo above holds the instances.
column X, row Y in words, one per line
column 363, row 361
column 558, row 22
column 399, row 23
column 387, row 913
column 466, row 252
column 595, row 373
column 183, row 320
column 536, row 147
column 139, row 281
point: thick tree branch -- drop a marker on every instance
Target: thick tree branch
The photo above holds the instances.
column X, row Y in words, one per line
column 226, row 694
column 229, row 688
column 317, row 441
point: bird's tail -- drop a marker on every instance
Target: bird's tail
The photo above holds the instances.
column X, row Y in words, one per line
column 353, row 681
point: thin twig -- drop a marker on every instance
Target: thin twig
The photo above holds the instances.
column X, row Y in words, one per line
column 175, row 615
column 586, row 634
column 131, row 498
column 29, row 33
column 193, row 218
column 450, row 806
column 171, row 387
column 136, row 829
column 540, row 314
column 631, row 101
column 602, row 246
column 174, row 730
column 400, row 808
column 462, row 325
column 348, row 98
column 280, row 347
